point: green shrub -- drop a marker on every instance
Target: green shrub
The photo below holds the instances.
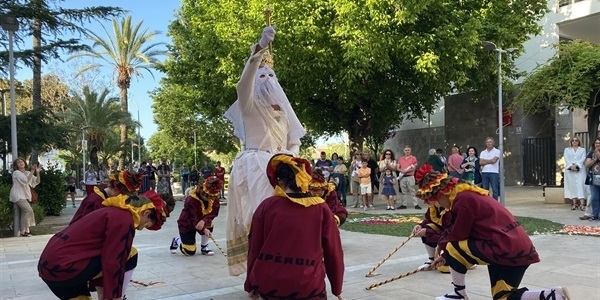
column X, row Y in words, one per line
column 39, row 213
column 51, row 191
column 5, row 178
column 6, row 207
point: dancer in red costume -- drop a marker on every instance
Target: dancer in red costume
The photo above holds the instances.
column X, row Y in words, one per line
column 319, row 187
column 97, row 252
column 431, row 229
column 121, row 183
column 200, row 209
column 284, row 266
column 482, row 232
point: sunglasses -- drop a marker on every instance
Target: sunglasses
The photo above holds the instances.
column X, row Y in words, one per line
column 388, row 154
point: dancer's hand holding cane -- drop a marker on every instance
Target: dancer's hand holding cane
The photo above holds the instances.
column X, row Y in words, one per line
column 419, row 231
column 439, row 259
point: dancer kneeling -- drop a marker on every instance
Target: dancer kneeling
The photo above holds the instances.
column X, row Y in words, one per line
column 95, row 254
column 320, row 188
column 293, row 266
column 430, row 230
column 200, row 209
column 482, row 232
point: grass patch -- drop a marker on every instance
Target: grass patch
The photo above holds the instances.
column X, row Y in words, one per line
column 402, row 225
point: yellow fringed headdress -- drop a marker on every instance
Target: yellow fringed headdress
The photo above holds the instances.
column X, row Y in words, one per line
column 300, row 166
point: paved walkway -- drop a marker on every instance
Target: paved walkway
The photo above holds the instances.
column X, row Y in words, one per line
column 572, row 261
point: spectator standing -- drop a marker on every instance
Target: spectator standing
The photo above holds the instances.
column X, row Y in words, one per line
column 372, row 164
column 70, row 180
column 388, row 190
column 324, row 164
column 220, row 173
column 364, row 173
column 103, row 175
column 340, row 172
column 184, row 174
column 407, row 164
column 152, row 169
column 592, row 162
column 440, row 153
column 164, row 178
column 194, row 176
column 20, row 192
column 206, row 171
column 145, row 171
column 355, row 180
column 575, row 174
column 490, row 167
column 91, row 180
column 454, row 162
column 471, row 167
column 388, row 162
column 435, row 161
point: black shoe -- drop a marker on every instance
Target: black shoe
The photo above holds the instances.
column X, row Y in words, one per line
column 402, row 207
column 417, row 207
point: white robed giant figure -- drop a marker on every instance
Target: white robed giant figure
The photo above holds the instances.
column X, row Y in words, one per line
column 266, row 124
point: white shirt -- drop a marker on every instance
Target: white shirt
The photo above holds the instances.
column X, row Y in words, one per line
column 490, row 154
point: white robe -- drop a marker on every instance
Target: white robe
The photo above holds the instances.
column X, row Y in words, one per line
column 574, row 181
column 264, row 132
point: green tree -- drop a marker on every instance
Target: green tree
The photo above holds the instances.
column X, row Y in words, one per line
column 346, row 65
column 46, row 22
column 36, row 129
column 94, row 114
column 571, row 78
column 128, row 52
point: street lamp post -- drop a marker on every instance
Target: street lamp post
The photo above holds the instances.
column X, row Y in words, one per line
column 492, row 47
column 11, row 24
column 139, row 135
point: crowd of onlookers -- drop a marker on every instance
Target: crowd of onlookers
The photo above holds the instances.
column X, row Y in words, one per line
column 155, row 177
column 391, row 176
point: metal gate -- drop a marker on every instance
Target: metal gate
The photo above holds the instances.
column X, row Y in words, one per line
column 539, row 161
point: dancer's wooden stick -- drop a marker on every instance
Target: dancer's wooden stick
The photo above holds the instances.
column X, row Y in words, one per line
column 268, row 12
column 370, row 274
column 146, row 284
column 216, row 244
column 372, row 286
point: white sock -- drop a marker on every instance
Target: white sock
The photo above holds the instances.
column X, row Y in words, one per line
column 430, row 251
column 536, row 295
column 458, row 279
column 126, row 279
column 203, row 240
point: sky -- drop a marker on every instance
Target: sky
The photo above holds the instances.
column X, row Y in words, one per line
column 156, row 18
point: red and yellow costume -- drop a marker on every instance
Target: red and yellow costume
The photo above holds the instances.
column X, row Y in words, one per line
column 90, row 203
column 435, row 222
column 124, row 182
column 319, row 187
column 293, row 266
column 482, row 231
column 201, row 205
column 100, row 244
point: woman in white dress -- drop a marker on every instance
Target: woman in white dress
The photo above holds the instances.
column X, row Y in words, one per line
column 575, row 174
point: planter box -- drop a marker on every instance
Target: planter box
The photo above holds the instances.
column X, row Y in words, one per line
column 555, row 195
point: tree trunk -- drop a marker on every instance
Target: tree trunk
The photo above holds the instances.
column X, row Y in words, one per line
column 594, row 118
column 124, row 102
column 36, row 92
column 94, row 157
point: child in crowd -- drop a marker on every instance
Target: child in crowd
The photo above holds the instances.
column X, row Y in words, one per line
column 389, row 188
column 200, row 209
column 364, row 175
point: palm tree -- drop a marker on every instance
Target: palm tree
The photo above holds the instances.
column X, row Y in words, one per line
column 95, row 114
column 128, row 52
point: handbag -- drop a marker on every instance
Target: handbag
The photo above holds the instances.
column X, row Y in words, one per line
column 596, row 180
column 34, row 196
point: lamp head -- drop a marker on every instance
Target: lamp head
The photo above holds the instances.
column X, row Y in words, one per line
column 489, row 46
column 9, row 23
